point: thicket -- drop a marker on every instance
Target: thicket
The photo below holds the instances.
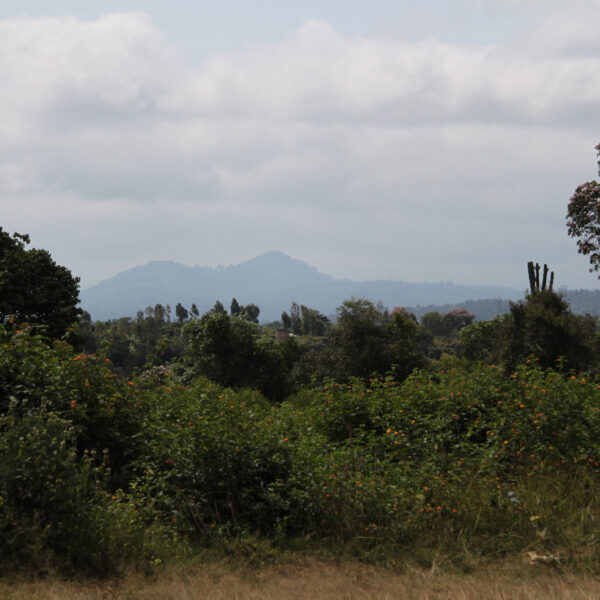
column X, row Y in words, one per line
column 100, row 471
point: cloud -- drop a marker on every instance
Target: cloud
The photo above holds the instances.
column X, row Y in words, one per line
column 350, row 152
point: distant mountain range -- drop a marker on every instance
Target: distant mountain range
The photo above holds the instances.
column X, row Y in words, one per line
column 272, row 281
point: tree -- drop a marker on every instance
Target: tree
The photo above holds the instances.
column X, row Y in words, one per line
column 159, row 313
column 543, row 326
column 250, row 312
column 234, row 352
column 33, row 288
column 235, row 308
column 583, row 219
column 313, row 322
column 286, row 321
column 181, row 312
column 295, row 318
column 194, row 310
column 367, row 341
column 218, row 307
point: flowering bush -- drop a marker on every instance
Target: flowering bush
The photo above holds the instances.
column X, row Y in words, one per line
column 97, row 471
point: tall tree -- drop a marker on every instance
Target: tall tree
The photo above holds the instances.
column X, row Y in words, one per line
column 34, row 288
column 296, row 319
column 235, row 309
column 286, row 321
column 583, row 219
column 181, row 313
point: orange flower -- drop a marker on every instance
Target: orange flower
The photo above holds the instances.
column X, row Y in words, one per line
column 73, row 404
column 130, row 383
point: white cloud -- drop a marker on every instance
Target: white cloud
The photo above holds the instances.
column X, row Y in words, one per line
column 354, row 150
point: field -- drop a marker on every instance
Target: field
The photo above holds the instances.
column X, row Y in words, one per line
column 326, row 580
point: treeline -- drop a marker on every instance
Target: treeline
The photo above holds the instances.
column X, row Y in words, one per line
column 232, row 349
column 581, row 302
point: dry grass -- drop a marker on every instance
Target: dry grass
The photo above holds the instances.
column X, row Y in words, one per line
column 318, row 580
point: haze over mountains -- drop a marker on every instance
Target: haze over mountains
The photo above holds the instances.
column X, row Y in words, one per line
column 272, row 281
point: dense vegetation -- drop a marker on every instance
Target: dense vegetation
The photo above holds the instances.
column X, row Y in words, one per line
column 128, row 443
column 99, row 471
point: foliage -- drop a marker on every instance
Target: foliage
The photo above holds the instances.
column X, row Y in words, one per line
column 366, row 341
column 484, row 340
column 98, row 472
column 69, row 429
column 234, row 352
column 33, row 288
column 543, row 326
column 583, row 219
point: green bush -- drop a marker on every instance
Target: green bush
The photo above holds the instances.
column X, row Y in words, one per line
column 98, row 472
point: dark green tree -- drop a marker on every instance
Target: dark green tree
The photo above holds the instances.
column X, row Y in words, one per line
column 432, row 322
column 366, row 341
column 218, row 307
column 235, row 309
column 181, row 313
column 250, row 312
column 33, row 288
column 194, row 310
column 541, row 326
column 313, row 322
column 544, row 327
column 296, row 319
column 159, row 313
column 234, row 352
column 286, row 321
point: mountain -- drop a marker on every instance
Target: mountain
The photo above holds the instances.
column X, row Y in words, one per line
column 272, row 281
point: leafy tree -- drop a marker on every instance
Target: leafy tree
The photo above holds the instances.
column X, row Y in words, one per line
column 313, row 322
column 251, row 312
column 447, row 325
column 234, row 352
column 34, row 288
column 543, row 326
column 235, row 309
column 432, row 322
column 218, row 307
column 296, row 319
column 160, row 313
column 286, row 321
column 194, row 310
column 456, row 319
column 484, row 341
column 181, row 313
column 365, row 341
column 583, row 219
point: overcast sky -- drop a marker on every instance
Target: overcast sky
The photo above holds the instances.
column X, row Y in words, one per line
column 422, row 140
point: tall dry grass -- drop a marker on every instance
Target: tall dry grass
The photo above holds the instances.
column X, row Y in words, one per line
column 320, row 580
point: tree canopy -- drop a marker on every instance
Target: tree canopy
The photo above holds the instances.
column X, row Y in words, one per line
column 583, row 219
column 33, row 288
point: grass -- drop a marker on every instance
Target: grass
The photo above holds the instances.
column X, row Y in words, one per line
column 317, row 579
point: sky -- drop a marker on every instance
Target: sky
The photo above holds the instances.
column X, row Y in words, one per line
column 422, row 140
